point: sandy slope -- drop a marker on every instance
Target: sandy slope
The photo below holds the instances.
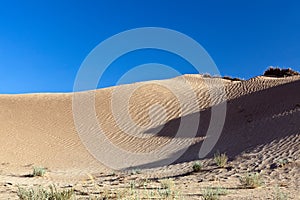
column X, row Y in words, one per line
column 262, row 125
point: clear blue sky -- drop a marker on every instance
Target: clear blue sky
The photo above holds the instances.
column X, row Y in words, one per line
column 43, row 43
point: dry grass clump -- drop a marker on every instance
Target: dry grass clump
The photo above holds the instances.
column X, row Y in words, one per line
column 38, row 171
column 251, row 180
column 220, row 159
column 166, row 190
column 279, row 195
column 135, row 171
column 44, row 194
column 213, row 193
column 277, row 72
column 167, row 184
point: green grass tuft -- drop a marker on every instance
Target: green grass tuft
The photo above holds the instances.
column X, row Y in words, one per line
column 213, row 193
column 220, row 159
column 44, row 194
column 38, row 171
column 197, row 166
column 251, row 180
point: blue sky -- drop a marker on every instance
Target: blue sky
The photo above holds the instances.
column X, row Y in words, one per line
column 43, row 43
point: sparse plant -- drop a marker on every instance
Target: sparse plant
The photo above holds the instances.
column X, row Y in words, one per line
column 113, row 173
column 43, row 194
column 135, row 171
column 207, row 75
column 213, row 193
column 197, row 166
column 277, row 72
column 279, row 194
column 167, row 184
column 137, row 190
column 220, row 159
column 282, row 162
column 143, row 183
column 251, row 180
column 167, row 189
column 232, row 79
column 60, row 195
column 38, row 171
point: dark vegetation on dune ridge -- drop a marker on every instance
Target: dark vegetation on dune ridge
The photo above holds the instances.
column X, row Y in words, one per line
column 224, row 77
column 277, row 72
column 270, row 72
column 232, row 79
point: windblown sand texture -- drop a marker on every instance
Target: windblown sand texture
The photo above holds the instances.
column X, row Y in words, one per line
column 262, row 126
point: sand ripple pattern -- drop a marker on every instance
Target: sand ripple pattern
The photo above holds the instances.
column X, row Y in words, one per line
column 38, row 129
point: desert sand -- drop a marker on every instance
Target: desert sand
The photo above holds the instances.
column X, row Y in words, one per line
column 261, row 131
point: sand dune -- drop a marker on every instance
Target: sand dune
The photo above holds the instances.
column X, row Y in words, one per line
column 39, row 128
column 262, row 124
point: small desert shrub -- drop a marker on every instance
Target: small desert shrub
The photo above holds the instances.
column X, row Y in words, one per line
column 220, row 159
column 282, row 162
column 110, row 194
column 277, row 72
column 206, row 75
column 167, row 190
column 135, row 171
column 251, row 180
column 142, row 189
column 113, row 173
column 43, row 194
column 197, row 166
column 213, row 193
column 231, row 79
column 167, row 184
column 279, row 195
column 38, row 171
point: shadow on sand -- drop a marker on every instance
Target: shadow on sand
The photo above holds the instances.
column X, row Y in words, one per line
column 251, row 120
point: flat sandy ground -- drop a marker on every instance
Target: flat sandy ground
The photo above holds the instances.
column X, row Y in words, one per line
column 261, row 134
